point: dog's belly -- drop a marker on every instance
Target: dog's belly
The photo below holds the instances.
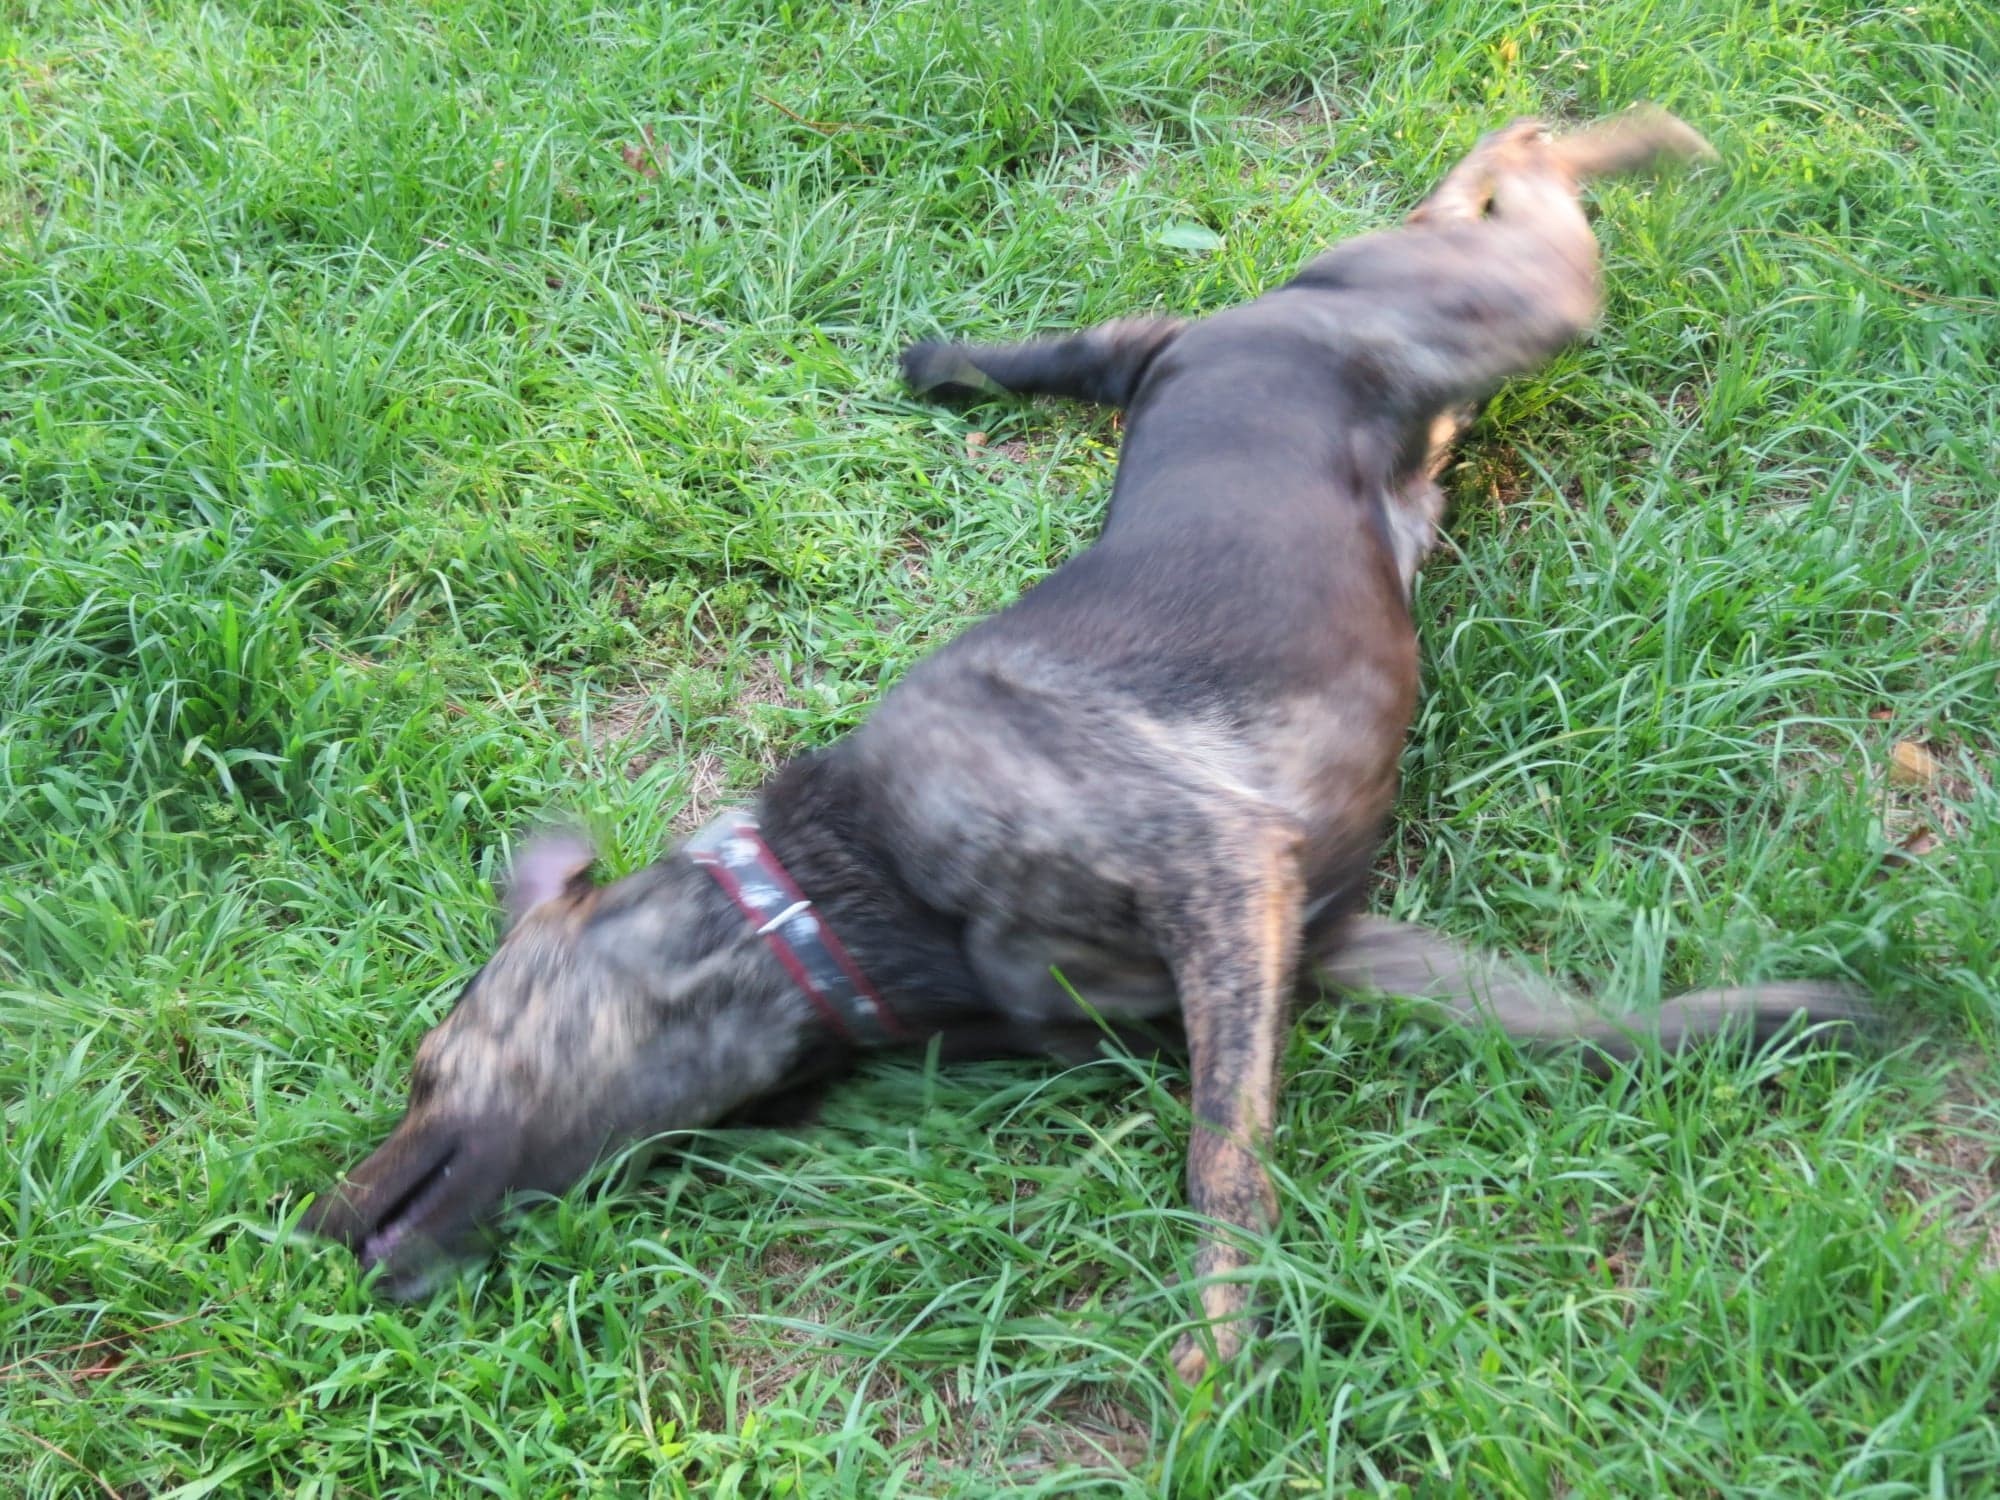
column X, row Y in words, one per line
column 1038, row 978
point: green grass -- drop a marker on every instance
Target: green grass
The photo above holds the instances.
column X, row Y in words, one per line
column 395, row 449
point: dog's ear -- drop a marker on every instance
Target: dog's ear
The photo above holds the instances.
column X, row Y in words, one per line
column 552, row 865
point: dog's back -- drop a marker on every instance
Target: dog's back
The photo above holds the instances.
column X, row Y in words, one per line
column 1249, row 591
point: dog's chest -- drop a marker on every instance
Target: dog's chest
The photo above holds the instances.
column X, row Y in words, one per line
column 1037, row 978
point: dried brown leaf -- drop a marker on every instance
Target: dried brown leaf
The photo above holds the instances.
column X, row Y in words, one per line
column 1919, row 842
column 643, row 159
column 1910, row 764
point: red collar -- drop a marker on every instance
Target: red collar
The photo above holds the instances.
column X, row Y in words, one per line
column 733, row 851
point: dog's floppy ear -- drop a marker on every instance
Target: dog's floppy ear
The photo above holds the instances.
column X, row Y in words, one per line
column 552, row 865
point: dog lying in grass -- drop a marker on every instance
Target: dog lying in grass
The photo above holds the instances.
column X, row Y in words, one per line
column 1158, row 781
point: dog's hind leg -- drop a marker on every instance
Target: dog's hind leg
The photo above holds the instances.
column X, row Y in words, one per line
column 1510, row 273
column 1636, row 141
column 1103, row 364
column 1465, row 193
column 1234, row 947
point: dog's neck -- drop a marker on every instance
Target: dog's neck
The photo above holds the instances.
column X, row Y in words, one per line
column 911, row 954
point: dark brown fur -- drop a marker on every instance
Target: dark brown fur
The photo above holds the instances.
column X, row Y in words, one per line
column 1164, row 772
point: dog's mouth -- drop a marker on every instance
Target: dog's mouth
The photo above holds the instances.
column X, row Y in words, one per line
column 415, row 1206
column 406, row 1213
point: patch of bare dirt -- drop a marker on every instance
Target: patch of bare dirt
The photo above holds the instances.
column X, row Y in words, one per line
column 1294, row 122
column 630, row 720
column 912, row 555
column 707, row 790
column 1952, row 1171
column 1095, row 172
column 619, row 720
column 1926, row 786
column 1013, row 450
column 773, row 1353
column 1084, row 1432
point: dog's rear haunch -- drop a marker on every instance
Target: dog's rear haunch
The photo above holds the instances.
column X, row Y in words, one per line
column 1163, row 773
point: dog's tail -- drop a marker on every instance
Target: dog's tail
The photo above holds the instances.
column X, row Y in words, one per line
column 1374, row 954
column 1636, row 141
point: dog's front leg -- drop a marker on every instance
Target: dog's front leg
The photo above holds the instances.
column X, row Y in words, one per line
column 1236, row 952
column 1103, row 364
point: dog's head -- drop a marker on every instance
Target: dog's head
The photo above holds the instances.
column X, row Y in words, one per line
column 605, row 1016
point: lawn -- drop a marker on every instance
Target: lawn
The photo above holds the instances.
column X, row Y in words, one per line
column 420, row 420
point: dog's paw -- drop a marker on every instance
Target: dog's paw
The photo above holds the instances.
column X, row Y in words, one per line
column 943, row 372
column 1190, row 1360
column 1200, row 1352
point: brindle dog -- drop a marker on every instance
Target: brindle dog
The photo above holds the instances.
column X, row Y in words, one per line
column 1163, row 774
